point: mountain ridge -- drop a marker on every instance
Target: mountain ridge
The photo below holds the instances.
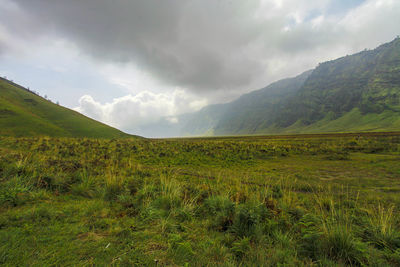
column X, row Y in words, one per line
column 364, row 86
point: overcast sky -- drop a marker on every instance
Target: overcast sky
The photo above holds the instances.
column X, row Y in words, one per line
column 130, row 62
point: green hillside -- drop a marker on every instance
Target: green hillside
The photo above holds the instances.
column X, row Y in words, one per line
column 22, row 113
column 256, row 111
column 360, row 92
column 353, row 121
column 369, row 81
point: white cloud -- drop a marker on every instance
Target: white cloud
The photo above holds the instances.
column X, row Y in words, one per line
column 372, row 23
column 133, row 112
column 131, row 78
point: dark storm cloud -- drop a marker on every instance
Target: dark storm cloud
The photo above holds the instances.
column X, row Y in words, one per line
column 201, row 45
column 196, row 44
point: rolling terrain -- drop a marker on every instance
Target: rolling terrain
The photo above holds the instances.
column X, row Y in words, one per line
column 23, row 113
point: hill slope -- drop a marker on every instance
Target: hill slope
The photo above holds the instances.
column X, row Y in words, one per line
column 22, row 113
column 360, row 92
column 368, row 81
column 255, row 111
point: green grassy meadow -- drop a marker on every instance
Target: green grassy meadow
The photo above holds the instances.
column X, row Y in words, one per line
column 302, row 200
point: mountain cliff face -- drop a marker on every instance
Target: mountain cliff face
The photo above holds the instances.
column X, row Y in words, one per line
column 369, row 81
column 360, row 92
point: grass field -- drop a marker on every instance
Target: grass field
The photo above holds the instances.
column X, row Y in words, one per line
column 305, row 200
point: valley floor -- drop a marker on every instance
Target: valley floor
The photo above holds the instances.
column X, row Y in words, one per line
column 314, row 200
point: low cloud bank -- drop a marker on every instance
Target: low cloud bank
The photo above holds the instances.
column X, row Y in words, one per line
column 137, row 114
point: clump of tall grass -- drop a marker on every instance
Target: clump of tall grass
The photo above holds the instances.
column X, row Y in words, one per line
column 249, row 220
column 330, row 233
column 86, row 186
column 221, row 210
column 14, row 192
column 277, row 192
column 216, row 252
column 241, row 248
column 113, row 186
column 331, row 239
column 339, row 243
column 381, row 231
column 170, row 187
column 20, row 167
column 169, row 195
column 180, row 250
